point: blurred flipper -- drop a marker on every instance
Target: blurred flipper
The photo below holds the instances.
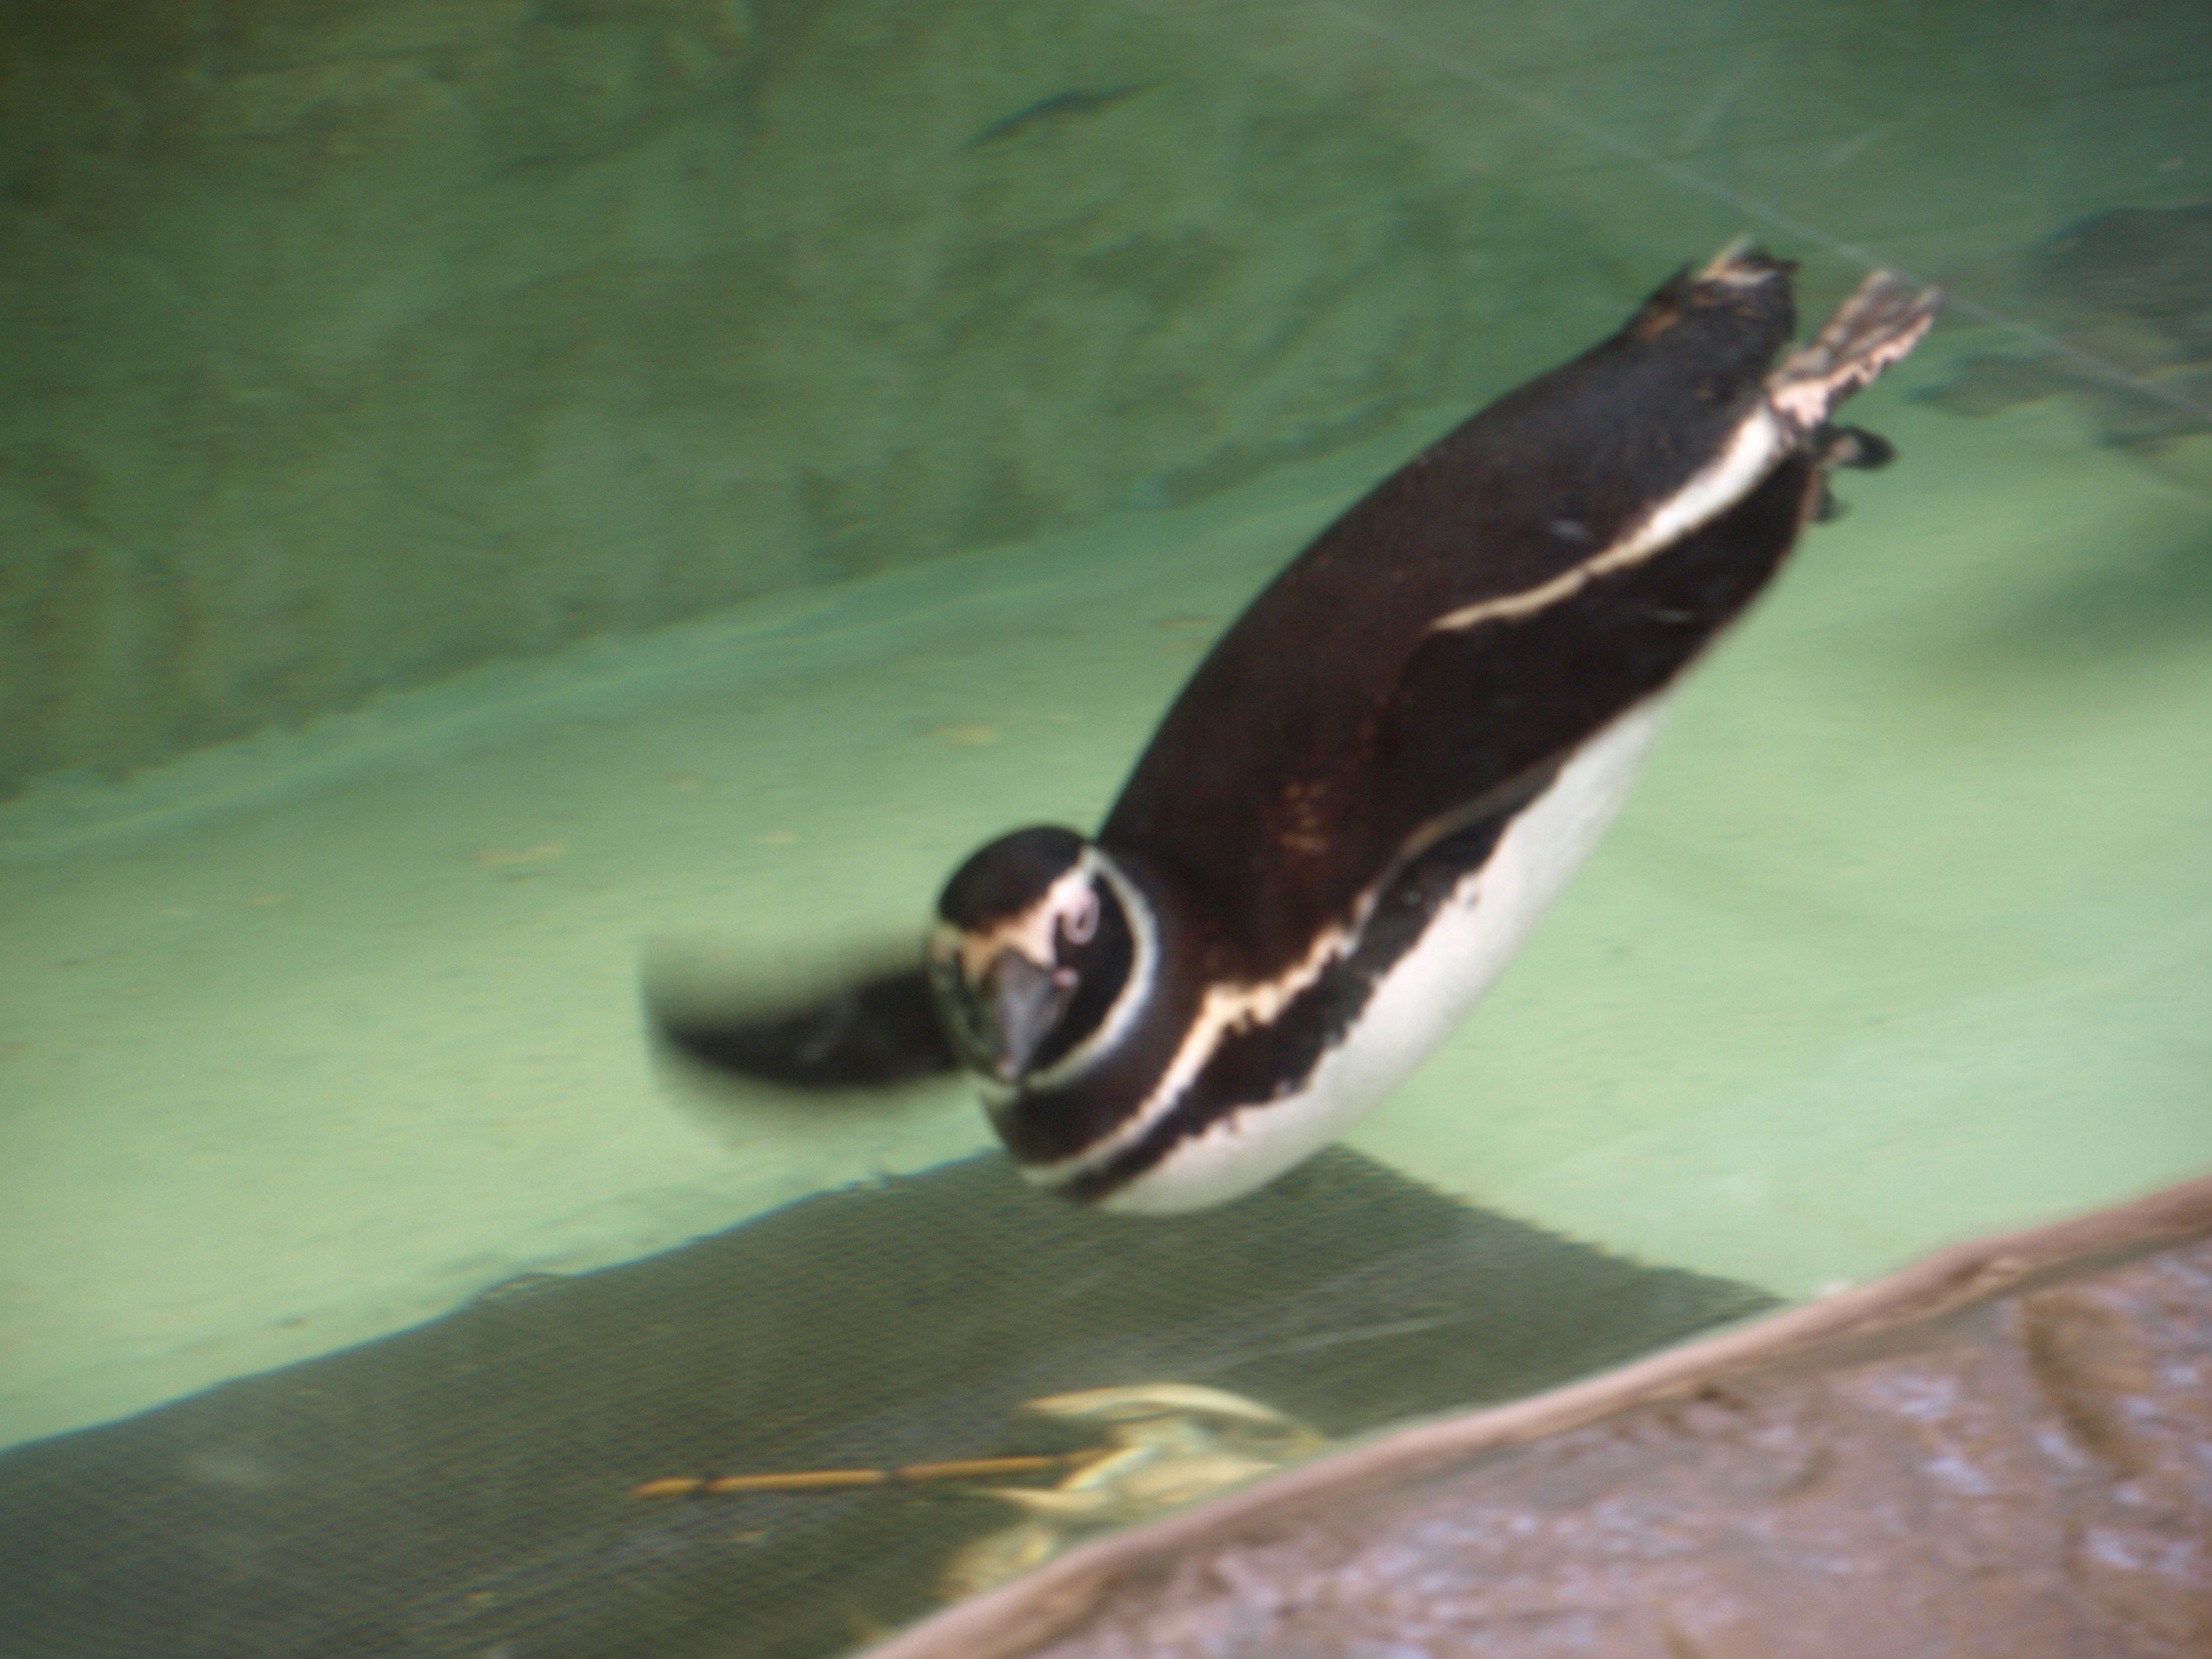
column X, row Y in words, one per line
column 865, row 1026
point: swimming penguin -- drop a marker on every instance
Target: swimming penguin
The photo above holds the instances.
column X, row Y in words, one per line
column 1367, row 794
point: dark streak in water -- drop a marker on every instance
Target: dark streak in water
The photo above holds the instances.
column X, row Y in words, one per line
column 1058, row 107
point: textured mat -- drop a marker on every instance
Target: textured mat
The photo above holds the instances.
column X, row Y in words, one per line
column 461, row 1489
column 1999, row 1450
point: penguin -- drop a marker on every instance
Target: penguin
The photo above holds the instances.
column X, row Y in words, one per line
column 1363, row 799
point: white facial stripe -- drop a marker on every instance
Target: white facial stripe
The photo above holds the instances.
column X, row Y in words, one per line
column 1034, row 932
column 1225, row 1009
column 1750, row 456
column 1144, row 968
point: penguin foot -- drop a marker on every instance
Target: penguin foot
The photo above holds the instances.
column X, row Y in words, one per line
column 1872, row 329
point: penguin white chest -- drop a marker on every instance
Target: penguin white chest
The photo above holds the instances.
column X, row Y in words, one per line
column 1426, row 994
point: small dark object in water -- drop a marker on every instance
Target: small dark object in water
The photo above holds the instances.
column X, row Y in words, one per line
column 1058, row 107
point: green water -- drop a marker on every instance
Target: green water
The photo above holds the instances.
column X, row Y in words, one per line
column 313, row 1034
column 1907, row 933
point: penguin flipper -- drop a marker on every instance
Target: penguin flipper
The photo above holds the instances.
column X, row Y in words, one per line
column 870, row 1029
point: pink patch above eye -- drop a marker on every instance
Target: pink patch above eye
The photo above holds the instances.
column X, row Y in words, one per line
column 1081, row 922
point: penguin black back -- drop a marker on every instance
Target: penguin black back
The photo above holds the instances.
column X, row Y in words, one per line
column 1340, row 742
column 1366, row 797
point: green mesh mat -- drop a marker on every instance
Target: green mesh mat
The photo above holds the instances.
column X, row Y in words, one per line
column 462, row 1488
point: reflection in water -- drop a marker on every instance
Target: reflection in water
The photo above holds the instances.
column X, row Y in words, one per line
column 2124, row 303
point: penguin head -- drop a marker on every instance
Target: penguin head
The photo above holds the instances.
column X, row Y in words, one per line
column 1031, row 953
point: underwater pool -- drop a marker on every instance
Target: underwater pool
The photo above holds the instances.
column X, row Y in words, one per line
column 320, row 1007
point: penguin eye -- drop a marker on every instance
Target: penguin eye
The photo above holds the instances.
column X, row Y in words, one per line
column 1080, row 924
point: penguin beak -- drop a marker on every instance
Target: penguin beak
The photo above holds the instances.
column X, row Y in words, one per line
column 1019, row 1005
column 997, row 1005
